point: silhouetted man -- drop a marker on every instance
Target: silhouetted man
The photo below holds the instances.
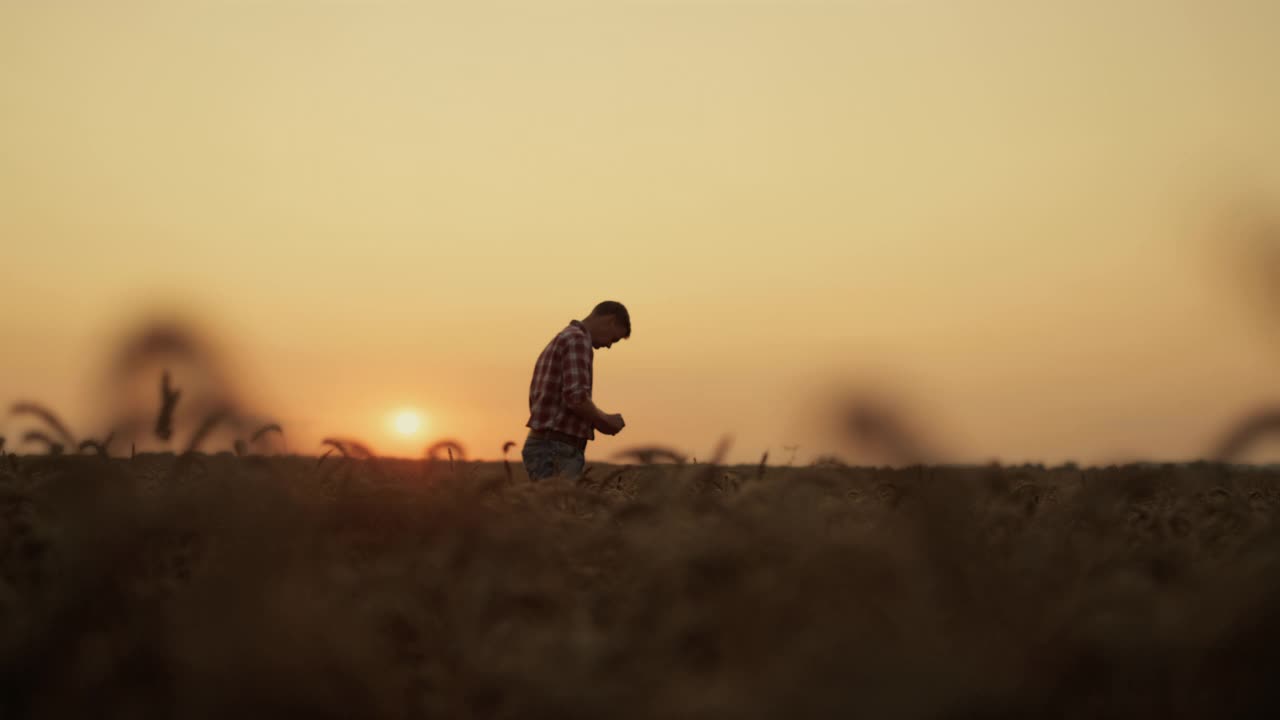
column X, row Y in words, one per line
column 562, row 417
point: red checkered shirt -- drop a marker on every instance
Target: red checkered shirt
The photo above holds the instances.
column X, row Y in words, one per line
column 562, row 377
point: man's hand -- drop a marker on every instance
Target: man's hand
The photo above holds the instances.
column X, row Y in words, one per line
column 611, row 424
column 600, row 420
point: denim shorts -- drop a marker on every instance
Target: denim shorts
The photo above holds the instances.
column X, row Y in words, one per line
column 548, row 458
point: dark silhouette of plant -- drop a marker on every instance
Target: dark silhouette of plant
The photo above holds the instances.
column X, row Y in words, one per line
column 326, row 454
column 882, row 429
column 168, row 402
column 1246, row 433
column 450, row 449
column 54, row 447
column 206, row 427
column 707, row 474
column 506, row 465
column 48, row 417
column 262, row 432
column 102, row 447
column 651, row 454
column 335, row 444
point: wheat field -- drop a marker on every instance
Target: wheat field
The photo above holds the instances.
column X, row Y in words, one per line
column 364, row 587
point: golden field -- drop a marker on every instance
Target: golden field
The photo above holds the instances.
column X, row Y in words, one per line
column 290, row 587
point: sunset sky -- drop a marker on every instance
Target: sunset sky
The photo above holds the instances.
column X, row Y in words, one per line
column 1029, row 222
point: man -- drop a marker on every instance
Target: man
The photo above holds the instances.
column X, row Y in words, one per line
column 562, row 417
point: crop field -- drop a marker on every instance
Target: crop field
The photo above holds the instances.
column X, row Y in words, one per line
column 286, row 586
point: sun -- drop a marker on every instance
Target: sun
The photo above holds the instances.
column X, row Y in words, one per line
column 408, row 422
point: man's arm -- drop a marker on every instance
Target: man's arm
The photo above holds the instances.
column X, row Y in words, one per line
column 598, row 418
column 577, row 388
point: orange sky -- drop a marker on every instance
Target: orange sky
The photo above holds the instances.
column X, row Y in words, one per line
column 1014, row 216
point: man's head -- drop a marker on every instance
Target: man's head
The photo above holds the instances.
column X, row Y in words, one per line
column 608, row 323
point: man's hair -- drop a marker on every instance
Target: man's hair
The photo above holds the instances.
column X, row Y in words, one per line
column 616, row 309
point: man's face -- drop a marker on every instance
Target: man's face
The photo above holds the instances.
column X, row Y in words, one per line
column 611, row 333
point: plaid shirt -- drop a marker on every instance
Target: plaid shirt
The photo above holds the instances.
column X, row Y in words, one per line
column 562, row 377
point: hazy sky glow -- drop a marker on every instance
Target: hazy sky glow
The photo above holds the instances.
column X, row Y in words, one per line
column 1009, row 214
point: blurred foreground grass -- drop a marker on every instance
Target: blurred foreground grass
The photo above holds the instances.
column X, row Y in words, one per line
column 273, row 587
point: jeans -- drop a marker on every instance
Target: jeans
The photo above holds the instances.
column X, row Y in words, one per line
column 547, row 458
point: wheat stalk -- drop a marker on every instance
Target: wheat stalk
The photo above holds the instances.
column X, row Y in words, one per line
column 648, row 455
column 707, row 476
column 335, row 444
column 1245, row 433
column 168, row 402
column 101, row 447
column 47, row 416
column 268, row 428
column 202, row 432
column 55, row 447
column 326, row 454
column 506, row 448
column 206, row 427
column 351, row 449
column 358, row 448
column 449, row 446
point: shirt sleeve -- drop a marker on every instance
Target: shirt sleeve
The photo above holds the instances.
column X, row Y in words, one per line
column 577, row 369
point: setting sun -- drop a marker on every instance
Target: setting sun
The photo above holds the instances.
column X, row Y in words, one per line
column 408, row 422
